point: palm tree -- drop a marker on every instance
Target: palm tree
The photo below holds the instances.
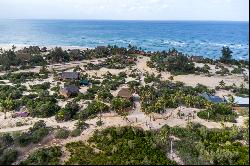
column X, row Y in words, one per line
column 6, row 105
column 222, row 84
column 242, row 86
column 13, row 47
column 231, row 100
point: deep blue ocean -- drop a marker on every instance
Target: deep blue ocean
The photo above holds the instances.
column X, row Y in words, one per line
column 204, row 38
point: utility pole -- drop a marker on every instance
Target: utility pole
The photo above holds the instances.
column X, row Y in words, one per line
column 207, row 116
column 171, row 148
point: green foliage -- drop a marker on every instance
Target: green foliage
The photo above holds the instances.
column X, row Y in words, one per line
column 151, row 78
column 6, row 140
column 12, row 58
column 104, row 94
column 121, row 105
column 23, row 77
column 226, row 55
column 172, row 61
column 62, row 133
column 93, row 108
column 44, row 110
column 8, row 156
column 76, row 132
column 118, row 146
column 34, row 135
column 14, row 92
column 44, row 86
column 218, row 112
column 44, row 156
column 67, row 113
column 198, row 145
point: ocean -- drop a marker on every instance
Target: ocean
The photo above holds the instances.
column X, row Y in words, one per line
column 205, row 38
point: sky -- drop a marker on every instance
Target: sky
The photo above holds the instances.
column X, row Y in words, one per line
column 230, row 10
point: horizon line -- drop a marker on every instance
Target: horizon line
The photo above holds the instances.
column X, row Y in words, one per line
column 120, row 19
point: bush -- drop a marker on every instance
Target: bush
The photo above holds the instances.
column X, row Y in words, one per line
column 62, row 134
column 8, row 156
column 75, row 132
column 44, row 156
column 219, row 112
column 34, row 135
column 99, row 123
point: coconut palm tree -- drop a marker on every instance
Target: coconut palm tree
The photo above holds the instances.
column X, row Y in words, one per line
column 231, row 100
column 222, row 84
column 6, row 105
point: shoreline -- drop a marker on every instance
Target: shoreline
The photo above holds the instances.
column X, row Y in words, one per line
column 21, row 46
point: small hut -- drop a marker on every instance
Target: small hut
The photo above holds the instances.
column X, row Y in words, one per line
column 125, row 93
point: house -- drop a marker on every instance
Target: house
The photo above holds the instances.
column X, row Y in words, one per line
column 125, row 93
column 69, row 90
column 239, row 101
column 214, row 99
column 196, row 58
column 20, row 114
column 70, row 75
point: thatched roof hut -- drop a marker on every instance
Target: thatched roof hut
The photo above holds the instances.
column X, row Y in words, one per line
column 125, row 93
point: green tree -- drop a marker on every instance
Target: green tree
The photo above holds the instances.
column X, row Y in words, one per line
column 222, row 84
column 226, row 55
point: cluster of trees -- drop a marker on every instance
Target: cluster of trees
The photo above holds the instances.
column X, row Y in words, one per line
column 121, row 105
column 170, row 95
column 172, row 61
column 20, row 58
column 22, row 77
column 43, row 86
column 34, row 135
column 240, row 91
column 43, row 105
column 218, row 112
column 68, row 112
column 118, row 146
column 151, row 78
column 198, row 145
column 93, row 109
column 44, row 156
column 112, row 82
column 7, row 153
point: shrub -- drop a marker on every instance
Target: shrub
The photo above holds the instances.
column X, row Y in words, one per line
column 44, row 156
column 62, row 133
column 76, row 132
column 8, row 156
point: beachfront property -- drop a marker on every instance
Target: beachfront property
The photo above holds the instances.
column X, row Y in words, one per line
column 239, row 101
column 125, row 93
column 70, row 75
column 69, row 90
column 212, row 98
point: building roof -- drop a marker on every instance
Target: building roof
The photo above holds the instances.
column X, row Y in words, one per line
column 125, row 92
column 239, row 100
column 70, row 75
column 214, row 99
column 70, row 89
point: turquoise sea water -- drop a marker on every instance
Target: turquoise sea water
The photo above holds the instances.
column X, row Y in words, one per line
column 204, row 38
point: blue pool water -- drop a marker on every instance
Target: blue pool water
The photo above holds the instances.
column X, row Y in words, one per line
column 204, row 38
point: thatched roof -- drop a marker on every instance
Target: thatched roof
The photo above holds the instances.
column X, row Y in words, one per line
column 125, row 93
